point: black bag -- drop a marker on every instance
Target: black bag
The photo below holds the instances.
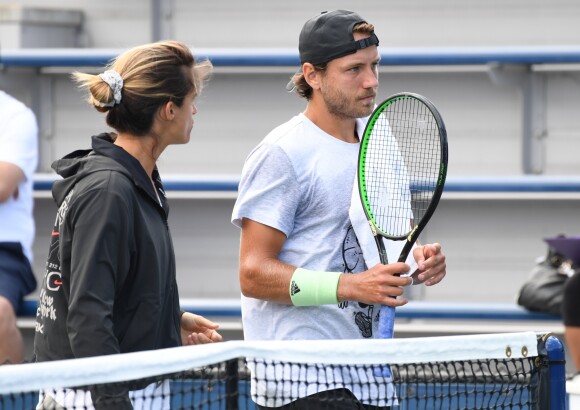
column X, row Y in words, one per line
column 543, row 291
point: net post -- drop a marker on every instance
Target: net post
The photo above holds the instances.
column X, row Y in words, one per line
column 553, row 374
column 232, row 384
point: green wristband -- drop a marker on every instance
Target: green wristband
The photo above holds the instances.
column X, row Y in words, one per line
column 311, row 288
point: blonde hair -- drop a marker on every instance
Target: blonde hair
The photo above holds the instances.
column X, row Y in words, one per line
column 152, row 74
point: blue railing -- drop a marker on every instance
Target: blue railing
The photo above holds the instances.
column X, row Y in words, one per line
column 413, row 310
column 191, row 184
column 513, row 184
column 266, row 57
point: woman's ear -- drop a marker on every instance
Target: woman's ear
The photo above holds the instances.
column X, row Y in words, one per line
column 167, row 111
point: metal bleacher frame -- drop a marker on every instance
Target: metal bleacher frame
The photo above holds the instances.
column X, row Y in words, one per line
column 519, row 66
column 417, row 318
column 512, row 187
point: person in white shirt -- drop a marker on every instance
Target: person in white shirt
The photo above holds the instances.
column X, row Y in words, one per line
column 18, row 161
column 302, row 272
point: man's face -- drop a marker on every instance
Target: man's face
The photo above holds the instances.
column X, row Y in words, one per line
column 349, row 84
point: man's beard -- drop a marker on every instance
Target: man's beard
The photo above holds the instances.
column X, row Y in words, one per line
column 342, row 106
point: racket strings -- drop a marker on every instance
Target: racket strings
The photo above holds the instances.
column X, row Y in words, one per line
column 402, row 165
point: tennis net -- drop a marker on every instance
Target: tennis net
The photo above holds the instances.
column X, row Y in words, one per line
column 497, row 371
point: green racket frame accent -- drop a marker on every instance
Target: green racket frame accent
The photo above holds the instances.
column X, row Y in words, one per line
column 361, row 163
column 413, row 235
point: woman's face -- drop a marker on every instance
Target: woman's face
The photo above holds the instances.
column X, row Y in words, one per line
column 182, row 123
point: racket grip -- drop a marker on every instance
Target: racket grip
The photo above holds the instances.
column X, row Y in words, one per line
column 386, row 322
column 385, row 331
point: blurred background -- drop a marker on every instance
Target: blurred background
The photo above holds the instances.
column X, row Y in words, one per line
column 504, row 74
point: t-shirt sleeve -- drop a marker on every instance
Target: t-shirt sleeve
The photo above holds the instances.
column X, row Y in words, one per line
column 19, row 142
column 269, row 191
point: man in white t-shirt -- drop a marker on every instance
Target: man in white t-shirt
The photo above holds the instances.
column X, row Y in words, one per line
column 18, row 160
column 302, row 272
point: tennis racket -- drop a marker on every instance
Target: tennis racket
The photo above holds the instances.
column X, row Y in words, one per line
column 401, row 173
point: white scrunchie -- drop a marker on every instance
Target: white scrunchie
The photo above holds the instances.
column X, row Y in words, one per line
column 115, row 81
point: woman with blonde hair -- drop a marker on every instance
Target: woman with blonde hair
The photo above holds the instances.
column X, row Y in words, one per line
column 110, row 282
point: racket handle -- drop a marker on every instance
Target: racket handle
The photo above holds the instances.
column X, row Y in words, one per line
column 385, row 331
column 386, row 322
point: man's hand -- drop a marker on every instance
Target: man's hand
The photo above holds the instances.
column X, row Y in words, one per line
column 378, row 285
column 431, row 264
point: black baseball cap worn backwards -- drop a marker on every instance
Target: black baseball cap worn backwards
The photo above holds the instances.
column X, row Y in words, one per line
column 329, row 35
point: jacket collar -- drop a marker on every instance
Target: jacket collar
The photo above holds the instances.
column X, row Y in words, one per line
column 103, row 144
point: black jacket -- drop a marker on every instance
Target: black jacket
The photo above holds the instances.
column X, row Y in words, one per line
column 110, row 284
